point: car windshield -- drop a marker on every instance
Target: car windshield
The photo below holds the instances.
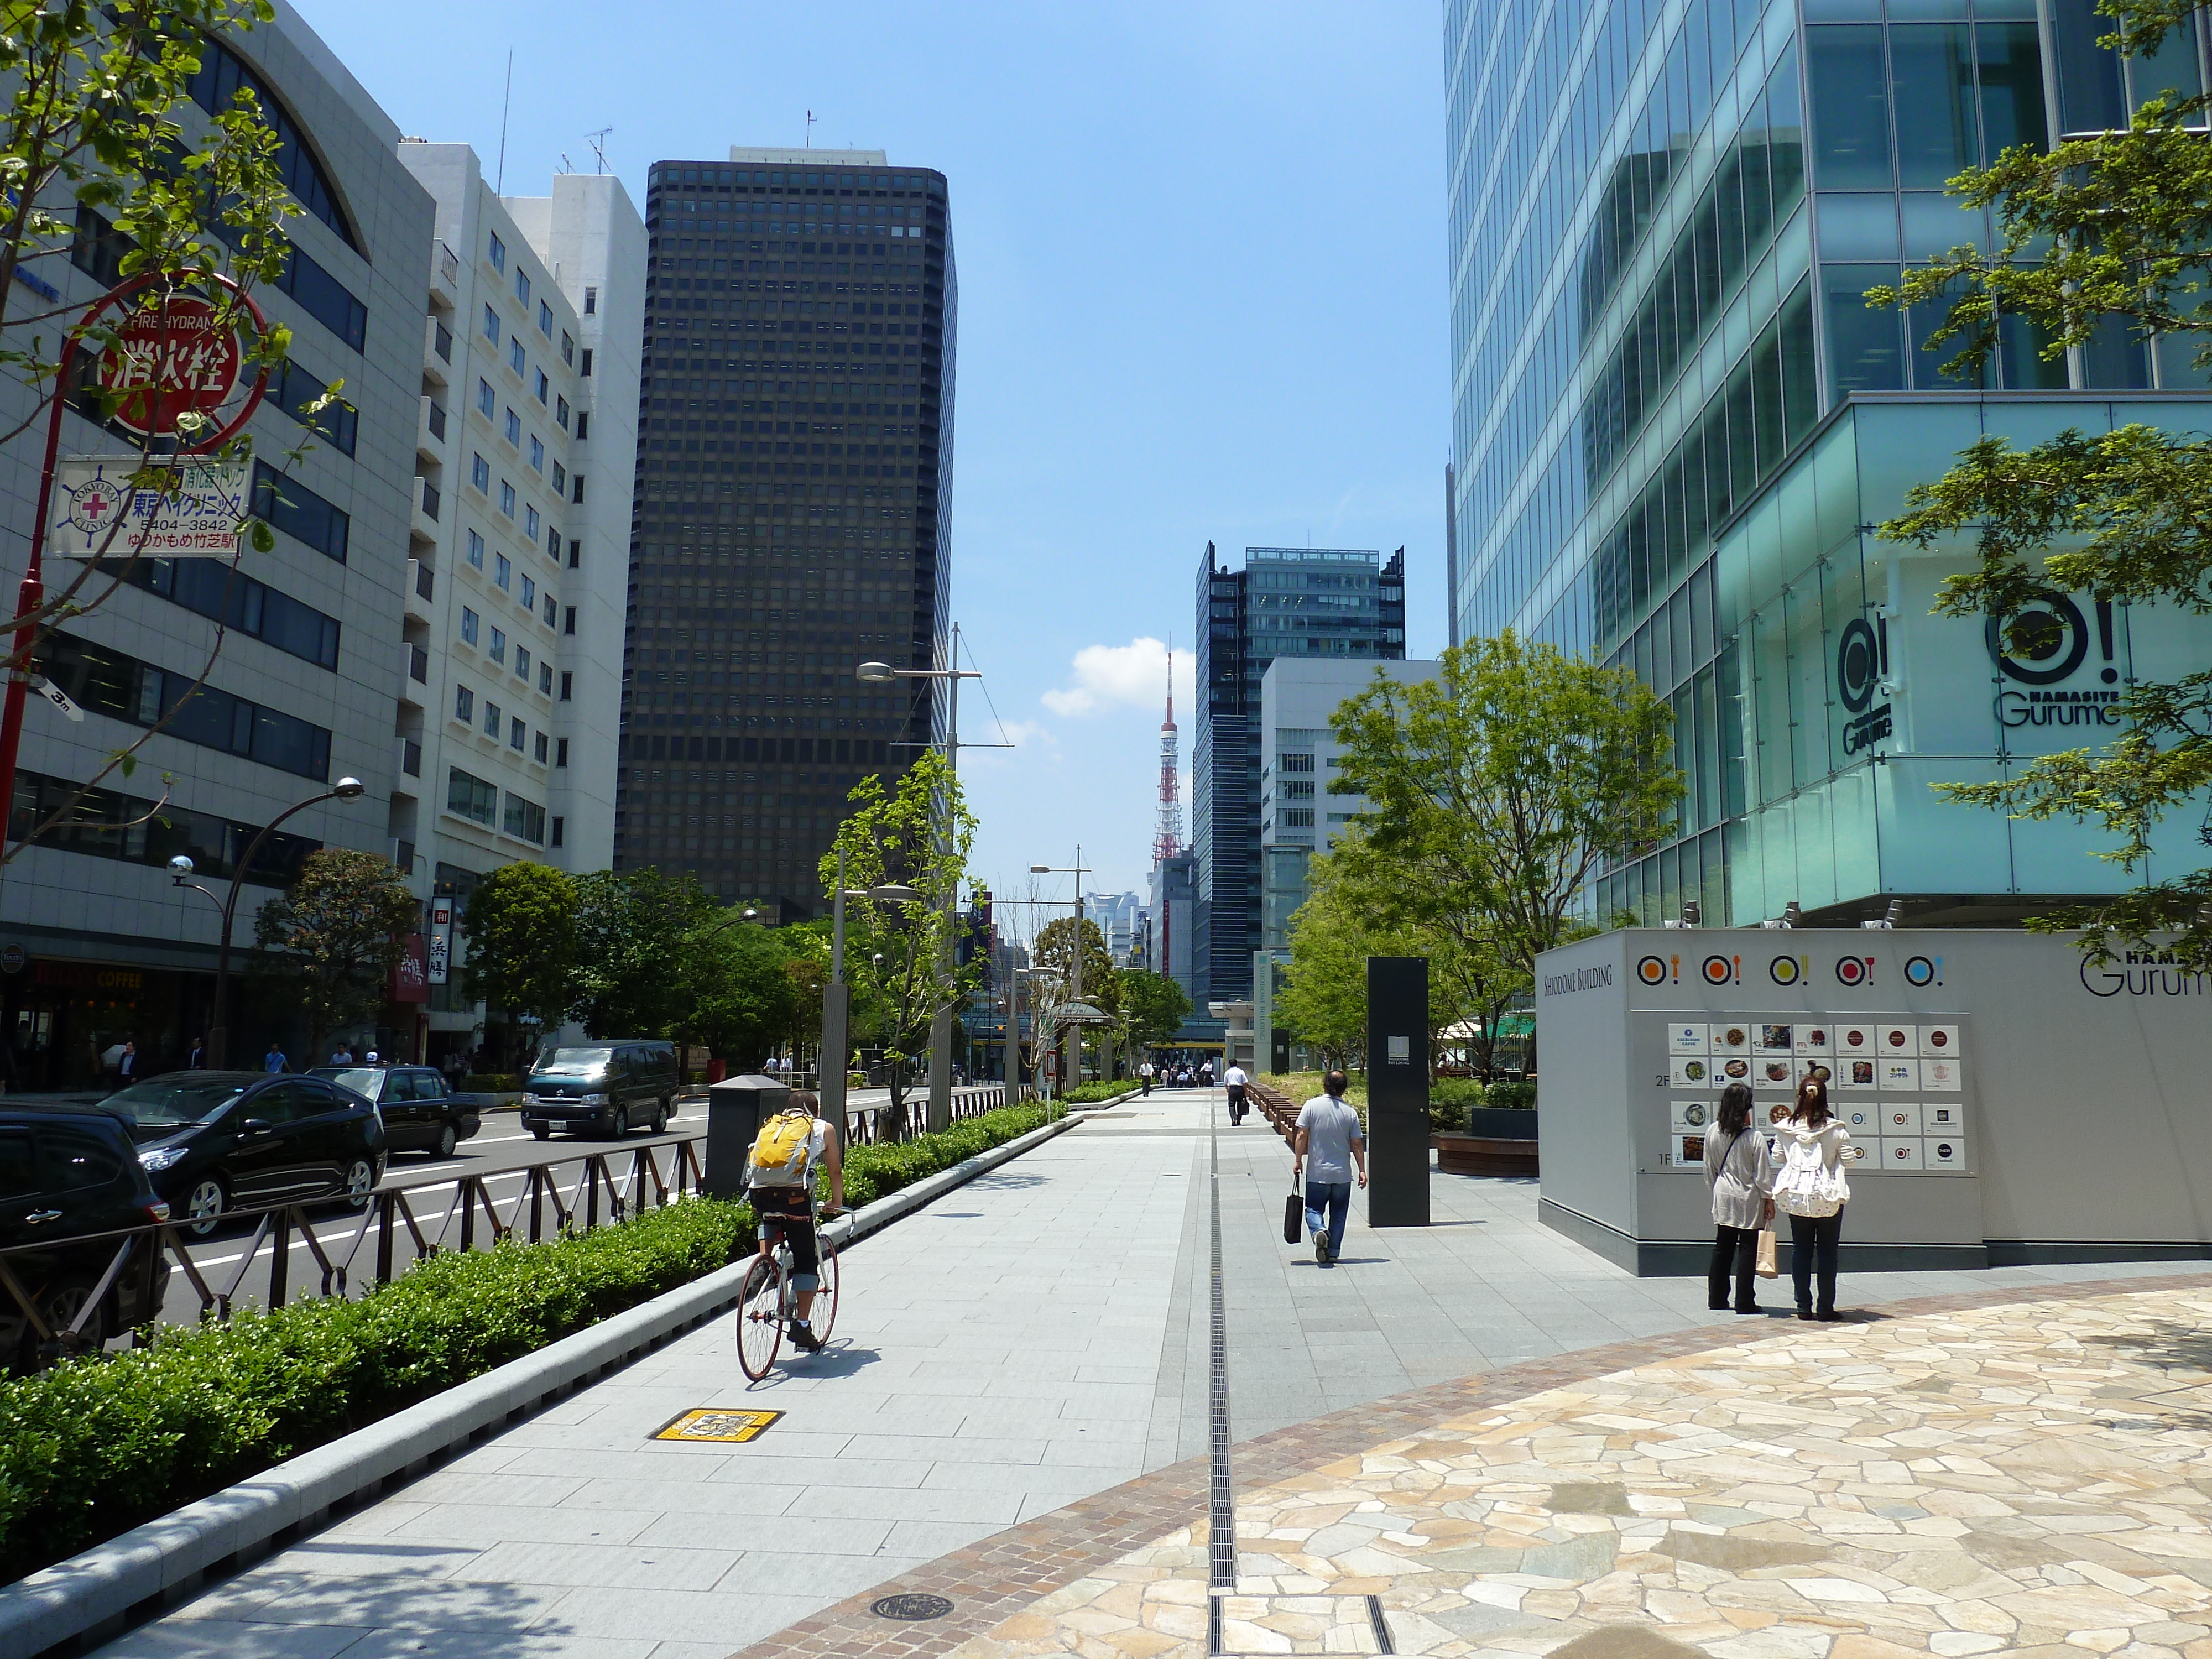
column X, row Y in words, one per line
column 175, row 1102
column 562, row 1062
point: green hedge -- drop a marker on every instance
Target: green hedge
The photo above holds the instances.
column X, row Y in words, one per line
column 1088, row 1093
column 94, row 1447
column 491, row 1083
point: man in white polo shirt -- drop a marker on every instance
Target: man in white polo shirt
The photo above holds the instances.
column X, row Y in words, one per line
column 1235, row 1077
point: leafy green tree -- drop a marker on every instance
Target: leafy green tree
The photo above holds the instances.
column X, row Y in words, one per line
column 99, row 134
column 739, row 998
column 918, row 834
column 631, row 926
column 1153, row 1004
column 328, row 945
column 1499, row 788
column 521, row 927
column 2103, row 235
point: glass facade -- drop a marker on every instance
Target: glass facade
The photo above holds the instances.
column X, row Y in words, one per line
column 1667, row 386
column 1319, row 604
column 792, row 511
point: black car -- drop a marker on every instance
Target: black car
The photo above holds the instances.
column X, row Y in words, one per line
column 421, row 1112
column 65, row 1174
column 214, row 1141
column 602, row 1086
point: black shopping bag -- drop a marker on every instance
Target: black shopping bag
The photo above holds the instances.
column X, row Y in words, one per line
column 1294, row 1208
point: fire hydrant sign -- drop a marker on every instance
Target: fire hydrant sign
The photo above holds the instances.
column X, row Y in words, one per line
column 199, row 514
column 178, row 357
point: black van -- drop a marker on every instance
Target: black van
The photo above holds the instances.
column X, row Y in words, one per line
column 602, row 1088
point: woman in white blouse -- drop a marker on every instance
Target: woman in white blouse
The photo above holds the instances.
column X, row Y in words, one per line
column 1811, row 1189
column 1740, row 1173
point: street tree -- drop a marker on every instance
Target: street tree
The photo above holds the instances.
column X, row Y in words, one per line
column 1153, row 1006
column 2102, row 234
column 631, row 925
column 739, row 999
column 1497, row 790
column 328, row 945
column 108, row 154
column 898, row 955
column 521, row 926
column 1055, row 951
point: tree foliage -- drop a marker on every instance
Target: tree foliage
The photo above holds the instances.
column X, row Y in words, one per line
column 631, row 929
column 740, row 1000
column 1153, row 1006
column 329, row 943
column 2105, row 232
column 521, row 927
column 1055, row 950
column 899, row 955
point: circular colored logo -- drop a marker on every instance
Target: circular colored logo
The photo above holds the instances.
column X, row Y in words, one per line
column 1783, row 970
column 1652, row 970
column 1919, row 971
column 1851, row 971
column 1938, row 1039
column 2041, row 643
column 1718, row 970
column 1902, row 1153
column 1857, row 665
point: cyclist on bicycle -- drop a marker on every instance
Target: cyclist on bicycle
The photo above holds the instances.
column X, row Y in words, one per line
column 780, row 1175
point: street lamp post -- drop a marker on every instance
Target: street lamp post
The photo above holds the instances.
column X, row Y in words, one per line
column 939, row 1110
column 180, row 867
column 836, row 998
column 1075, row 974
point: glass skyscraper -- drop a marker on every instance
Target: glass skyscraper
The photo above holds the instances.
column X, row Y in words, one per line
column 791, row 513
column 1324, row 603
column 1676, row 421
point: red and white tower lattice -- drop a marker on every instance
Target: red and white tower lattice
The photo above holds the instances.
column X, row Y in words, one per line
column 1167, row 835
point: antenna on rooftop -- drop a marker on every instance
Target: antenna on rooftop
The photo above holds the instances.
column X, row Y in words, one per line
column 598, row 143
column 810, row 129
column 505, row 102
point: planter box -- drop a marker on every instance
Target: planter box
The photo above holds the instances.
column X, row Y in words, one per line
column 1486, row 1155
column 1502, row 1122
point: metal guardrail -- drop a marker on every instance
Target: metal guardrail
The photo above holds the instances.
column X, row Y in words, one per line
column 863, row 1124
column 596, row 1197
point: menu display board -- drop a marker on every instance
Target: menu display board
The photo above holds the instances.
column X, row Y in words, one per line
column 1881, row 1074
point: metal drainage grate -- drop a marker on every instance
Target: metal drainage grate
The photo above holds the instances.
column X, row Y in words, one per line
column 911, row 1607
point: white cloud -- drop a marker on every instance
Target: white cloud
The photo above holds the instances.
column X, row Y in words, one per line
column 1134, row 676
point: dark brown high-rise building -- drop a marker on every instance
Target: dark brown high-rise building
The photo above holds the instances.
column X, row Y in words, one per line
column 792, row 513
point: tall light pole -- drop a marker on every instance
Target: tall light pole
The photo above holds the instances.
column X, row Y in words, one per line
column 836, row 999
column 1075, row 974
column 939, row 1110
column 180, row 867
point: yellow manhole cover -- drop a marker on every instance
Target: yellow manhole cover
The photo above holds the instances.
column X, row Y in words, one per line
column 704, row 1424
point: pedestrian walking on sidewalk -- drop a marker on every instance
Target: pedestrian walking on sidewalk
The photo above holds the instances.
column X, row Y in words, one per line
column 1740, row 1176
column 1144, row 1071
column 1235, row 1077
column 1329, row 1144
column 1811, row 1189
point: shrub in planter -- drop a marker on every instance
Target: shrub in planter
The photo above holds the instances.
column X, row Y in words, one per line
column 1086, row 1093
column 490, row 1083
column 1514, row 1095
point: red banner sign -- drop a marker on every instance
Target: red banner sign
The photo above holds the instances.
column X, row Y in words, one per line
column 164, row 361
column 411, row 974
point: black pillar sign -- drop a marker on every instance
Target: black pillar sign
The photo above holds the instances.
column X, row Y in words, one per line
column 1398, row 1091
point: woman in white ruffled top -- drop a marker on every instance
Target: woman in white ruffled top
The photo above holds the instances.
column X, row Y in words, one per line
column 1811, row 1188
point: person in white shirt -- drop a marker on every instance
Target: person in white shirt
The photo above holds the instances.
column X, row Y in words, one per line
column 1812, row 1190
column 1235, row 1077
column 782, row 1196
column 1144, row 1071
column 1328, row 1143
column 1740, row 1175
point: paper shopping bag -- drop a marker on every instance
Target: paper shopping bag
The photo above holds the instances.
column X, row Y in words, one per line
column 1767, row 1267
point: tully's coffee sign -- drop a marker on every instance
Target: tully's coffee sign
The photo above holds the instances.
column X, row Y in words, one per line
column 86, row 976
column 12, row 958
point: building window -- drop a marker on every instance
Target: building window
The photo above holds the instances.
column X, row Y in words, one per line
column 506, row 498
column 575, row 553
column 586, row 370
column 480, row 473
column 493, row 714
column 522, row 661
column 528, row 592
column 522, row 287
column 567, row 694
column 525, row 820
column 491, row 324
column 552, row 552
column 568, row 620
column 471, row 797
column 108, row 682
column 560, row 488
column 560, row 410
column 578, row 494
column 591, row 301
column 485, row 400
column 583, row 424
column 540, row 746
column 517, row 359
column 289, row 506
column 560, row 825
column 544, row 679
column 561, row 753
column 537, row 460
column 498, row 651
column 468, row 624
column 545, row 319
column 548, row 611
column 464, row 705
column 544, row 386
column 514, row 428
column 476, row 549
column 530, row 522
column 502, row 571
column 516, row 732
column 498, row 252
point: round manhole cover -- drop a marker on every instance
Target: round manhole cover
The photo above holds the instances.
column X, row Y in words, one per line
column 913, row 1608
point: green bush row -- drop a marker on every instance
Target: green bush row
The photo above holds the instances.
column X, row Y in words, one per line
column 94, row 1447
column 491, row 1083
column 1086, row 1093
column 1451, row 1097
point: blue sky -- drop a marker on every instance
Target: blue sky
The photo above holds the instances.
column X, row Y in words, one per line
column 1201, row 261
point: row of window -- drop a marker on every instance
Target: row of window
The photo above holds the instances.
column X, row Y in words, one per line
column 122, row 688
column 496, row 649
column 509, row 499
column 477, row 800
column 544, row 749
column 288, row 505
column 107, row 823
column 212, row 588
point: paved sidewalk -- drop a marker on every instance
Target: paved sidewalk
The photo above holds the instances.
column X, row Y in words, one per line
column 1032, row 1338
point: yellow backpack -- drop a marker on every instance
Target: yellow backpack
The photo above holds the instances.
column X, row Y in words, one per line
column 780, row 1154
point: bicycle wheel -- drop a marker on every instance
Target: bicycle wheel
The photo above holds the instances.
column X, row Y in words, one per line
column 824, row 1316
column 760, row 1317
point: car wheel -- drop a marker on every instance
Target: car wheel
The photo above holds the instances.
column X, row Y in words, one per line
column 448, row 1141
column 618, row 1126
column 205, row 1205
column 660, row 1117
column 59, row 1308
column 542, row 1131
column 360, row 1183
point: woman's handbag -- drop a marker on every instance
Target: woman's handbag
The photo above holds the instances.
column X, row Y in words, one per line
column 1294, row 1210
column 1767, row 1267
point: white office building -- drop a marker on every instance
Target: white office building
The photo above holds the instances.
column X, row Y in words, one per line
column 520, row 564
